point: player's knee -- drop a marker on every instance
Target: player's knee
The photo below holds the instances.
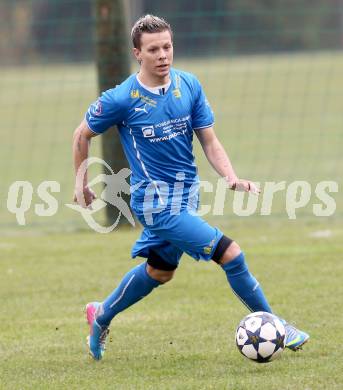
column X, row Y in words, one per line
column 226, row 250
column 158, row 268
column 160, row 275
column 230, row 253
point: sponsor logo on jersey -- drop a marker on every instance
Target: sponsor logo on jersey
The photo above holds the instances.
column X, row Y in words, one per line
column 148, row 131
column 141, row 109
column 134, row 94
column 147, row 100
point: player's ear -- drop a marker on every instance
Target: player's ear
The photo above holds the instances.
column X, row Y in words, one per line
column 137, row 54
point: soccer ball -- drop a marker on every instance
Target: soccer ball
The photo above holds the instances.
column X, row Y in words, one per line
column 261, row 337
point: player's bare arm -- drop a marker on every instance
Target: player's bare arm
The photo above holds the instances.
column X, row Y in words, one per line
column 83, row 195
column 220, row 161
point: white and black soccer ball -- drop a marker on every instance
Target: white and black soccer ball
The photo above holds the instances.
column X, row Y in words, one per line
column 261, row 337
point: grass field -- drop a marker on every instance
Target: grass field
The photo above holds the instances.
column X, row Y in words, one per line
column 180, row 337
column 280, row 117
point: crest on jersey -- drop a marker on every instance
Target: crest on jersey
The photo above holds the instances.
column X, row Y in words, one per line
column 177, row 93
column 208, row 249
column 134, row 94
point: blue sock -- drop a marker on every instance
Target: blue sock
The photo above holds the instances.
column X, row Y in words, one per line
column 244, row 285
column 135, row 285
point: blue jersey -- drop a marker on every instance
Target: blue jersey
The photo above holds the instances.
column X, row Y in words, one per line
column 156, row 131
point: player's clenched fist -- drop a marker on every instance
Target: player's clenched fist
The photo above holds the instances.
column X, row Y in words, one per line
column 84, row 196
column 245, row 186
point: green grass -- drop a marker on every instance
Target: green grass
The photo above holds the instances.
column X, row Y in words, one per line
column 280, row 118
column 182, row 335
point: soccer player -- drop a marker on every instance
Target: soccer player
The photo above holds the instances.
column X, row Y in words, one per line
column 157, row 111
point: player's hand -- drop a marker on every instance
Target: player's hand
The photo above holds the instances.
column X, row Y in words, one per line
column 84, row 196
column 245, row 186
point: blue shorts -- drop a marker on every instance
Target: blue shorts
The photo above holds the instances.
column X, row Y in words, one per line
column 171, row 235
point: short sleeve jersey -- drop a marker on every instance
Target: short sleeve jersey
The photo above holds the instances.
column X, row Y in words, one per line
column 156, row 131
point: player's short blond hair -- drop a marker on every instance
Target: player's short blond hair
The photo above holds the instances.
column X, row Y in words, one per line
column 148, row 24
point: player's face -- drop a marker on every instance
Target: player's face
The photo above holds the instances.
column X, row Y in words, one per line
column 155, row 55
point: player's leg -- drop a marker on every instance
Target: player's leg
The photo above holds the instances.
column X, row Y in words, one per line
column 229, row 255
column 196, row 237
column 200, row 240
column 135, row 285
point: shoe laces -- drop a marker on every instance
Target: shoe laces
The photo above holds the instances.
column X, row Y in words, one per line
column 102, row 338
column 291, row 332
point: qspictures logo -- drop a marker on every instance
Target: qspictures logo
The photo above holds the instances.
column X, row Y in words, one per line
column 159, row 196
column 115, row 185
column 20, row 195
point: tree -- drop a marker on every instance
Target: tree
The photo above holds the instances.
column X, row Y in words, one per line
column 113, row 63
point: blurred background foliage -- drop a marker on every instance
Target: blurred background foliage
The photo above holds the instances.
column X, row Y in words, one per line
column 63, row 30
